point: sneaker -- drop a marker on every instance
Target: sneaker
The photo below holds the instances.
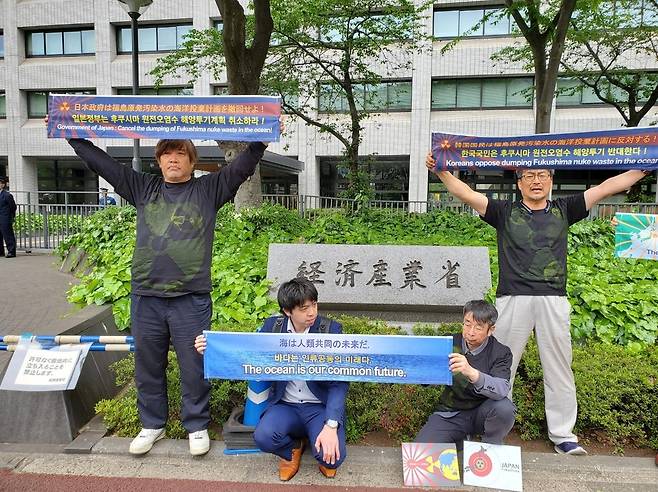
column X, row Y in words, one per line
column 570, row 447
column 199, row 442
column 144, row 441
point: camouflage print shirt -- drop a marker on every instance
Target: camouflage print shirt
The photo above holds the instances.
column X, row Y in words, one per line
column 175, row 221
column 532, row 244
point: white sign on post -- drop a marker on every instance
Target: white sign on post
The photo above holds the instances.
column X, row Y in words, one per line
column 493, row 466
column 35, row 368
column 47, row 367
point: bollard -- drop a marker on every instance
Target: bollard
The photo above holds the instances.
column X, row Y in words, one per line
column 254, row 406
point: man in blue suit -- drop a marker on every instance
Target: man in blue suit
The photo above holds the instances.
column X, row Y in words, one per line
column 300, row 410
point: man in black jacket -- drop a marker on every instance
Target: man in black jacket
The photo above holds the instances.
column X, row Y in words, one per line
column 7, row 216
column 170, row 276
column 477, row 401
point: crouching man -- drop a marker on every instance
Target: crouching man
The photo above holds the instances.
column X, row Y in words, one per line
column 301, row 410
column 477, row 401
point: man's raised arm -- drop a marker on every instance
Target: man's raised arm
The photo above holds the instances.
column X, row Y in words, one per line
column 612, row 186
column 456, row 187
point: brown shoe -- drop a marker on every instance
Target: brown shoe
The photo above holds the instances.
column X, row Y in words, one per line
column 328, row 472
column 288, row 469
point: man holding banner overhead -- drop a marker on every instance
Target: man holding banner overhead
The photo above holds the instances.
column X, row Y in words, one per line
column 532, row 252
column 170, row 299
column 477, row 401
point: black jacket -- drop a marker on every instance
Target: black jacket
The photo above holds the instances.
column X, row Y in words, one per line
column 7, row 206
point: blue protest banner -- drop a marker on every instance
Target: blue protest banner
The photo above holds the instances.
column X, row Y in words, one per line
column 240, row 118
column 627, row 148
column 287, row 356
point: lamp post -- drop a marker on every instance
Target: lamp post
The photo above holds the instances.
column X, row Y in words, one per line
column 135, row 9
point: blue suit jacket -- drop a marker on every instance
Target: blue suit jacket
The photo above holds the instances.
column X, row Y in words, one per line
column 331, row 393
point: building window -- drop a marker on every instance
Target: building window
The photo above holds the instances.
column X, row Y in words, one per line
column 161, row 91
column 633, row 14
column 218, row 24
column 2, row 44
column 389, row 177
column 572, row 92
column 37, row 101
column 58, row 43
column 3, row 105
column 66, row 175
column 482, row 93
column 491, row 21
column 385, row 96
column 152, row 39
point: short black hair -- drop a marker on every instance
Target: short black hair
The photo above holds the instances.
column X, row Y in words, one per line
column 519, row 172
column 482, row 311
column 295, row 293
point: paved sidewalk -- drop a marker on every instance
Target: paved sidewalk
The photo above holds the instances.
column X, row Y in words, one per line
column 364, row 467
column 33, row 294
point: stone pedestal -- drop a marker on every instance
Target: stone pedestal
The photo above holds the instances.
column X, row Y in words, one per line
column 55, row 417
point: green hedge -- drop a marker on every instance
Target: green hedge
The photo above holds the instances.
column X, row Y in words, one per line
column 613, row 299
column 617, row 394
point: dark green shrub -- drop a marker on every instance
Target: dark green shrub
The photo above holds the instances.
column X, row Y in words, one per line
column 617, row 391
column 617, row 394
column 120, row 413
column 613, row 299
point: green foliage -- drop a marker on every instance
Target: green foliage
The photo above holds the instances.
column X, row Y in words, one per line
column 27, row 223
column 617, row 392
column 613, row 299
column 331, row 45
column 120, row 413
column 108, row 239
column 602, row 39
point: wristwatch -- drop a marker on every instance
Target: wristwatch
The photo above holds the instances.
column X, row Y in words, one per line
column 332, row 424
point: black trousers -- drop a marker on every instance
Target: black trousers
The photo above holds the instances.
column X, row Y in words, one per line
column 493, row 420
column 7, row 237
column 156, row 321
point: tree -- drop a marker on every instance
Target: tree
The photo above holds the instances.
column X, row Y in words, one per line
column 242, row 46
column 608, row 53
column 328, row 52
column 544, row 25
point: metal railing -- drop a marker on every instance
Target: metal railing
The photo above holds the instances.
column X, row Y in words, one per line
column 310, row 206
column 60, row 197
column 46, row 225
column 608, row 210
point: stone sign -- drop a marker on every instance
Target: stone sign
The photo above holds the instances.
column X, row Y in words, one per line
column 388, row 277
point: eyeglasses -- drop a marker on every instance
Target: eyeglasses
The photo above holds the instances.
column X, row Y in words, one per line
column 476, row 327
column 542, row 177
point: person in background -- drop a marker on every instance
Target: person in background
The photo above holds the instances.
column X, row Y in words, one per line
column 106, row 199
column 7, row 216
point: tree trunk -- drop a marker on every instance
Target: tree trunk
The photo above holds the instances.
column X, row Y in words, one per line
column 244, row 65
column 250, row 193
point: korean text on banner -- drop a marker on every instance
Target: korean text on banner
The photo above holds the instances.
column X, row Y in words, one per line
column 627, row 148
column 239, row 118
column 319, row 357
